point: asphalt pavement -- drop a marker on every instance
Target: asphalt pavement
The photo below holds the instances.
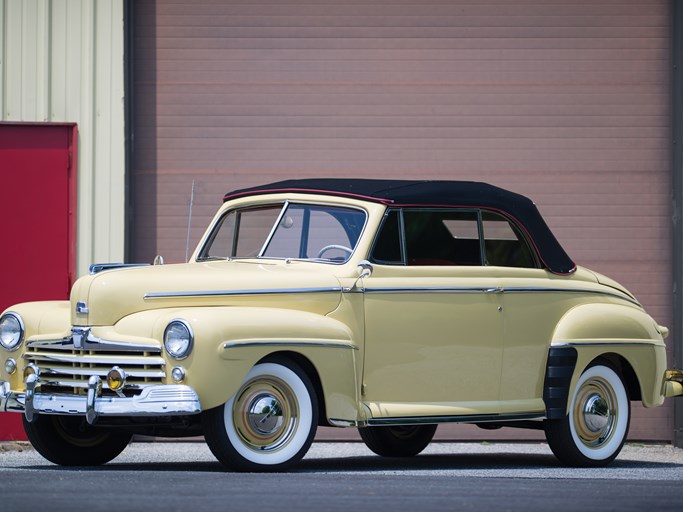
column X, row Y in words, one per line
column 338, row 476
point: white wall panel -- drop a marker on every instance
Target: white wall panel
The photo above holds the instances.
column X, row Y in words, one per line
column 62, row 61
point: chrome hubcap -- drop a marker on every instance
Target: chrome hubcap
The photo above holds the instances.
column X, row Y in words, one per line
column 265, row 414
column 595, row 413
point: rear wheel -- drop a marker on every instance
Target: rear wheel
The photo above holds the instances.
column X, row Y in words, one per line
column 71, row 441
column 399, row 441
column 594, row 431
column 269, row 424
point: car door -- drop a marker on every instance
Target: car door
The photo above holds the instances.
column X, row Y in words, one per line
column 433, row 318
column 533, row 302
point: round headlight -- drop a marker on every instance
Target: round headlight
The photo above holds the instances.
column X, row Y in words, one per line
column 11, row 331
column 178, row 339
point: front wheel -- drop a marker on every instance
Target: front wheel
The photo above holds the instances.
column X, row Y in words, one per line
column 400, row 441
column 71, row 441
column 269, row 424
column 594, row 431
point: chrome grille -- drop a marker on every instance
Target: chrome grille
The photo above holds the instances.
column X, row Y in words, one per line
column 66, row 369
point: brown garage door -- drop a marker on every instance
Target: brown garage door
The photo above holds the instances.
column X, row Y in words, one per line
column 567, row 102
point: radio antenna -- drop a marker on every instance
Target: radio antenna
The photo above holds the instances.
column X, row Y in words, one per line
column 189, row 224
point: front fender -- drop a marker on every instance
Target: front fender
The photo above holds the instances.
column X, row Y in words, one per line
column 609, row 330
column 44, row 317
column 229, row 341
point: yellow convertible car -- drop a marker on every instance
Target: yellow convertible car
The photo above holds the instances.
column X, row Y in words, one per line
column 384, row 305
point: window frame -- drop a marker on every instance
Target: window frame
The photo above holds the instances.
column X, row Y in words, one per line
column 518, row 231
column 283, row 204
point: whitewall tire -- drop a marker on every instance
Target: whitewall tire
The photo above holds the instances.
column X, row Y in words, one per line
column 594, row 431
column 269, row 424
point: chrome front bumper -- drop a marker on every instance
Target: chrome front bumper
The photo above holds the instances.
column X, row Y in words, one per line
column 159, row 400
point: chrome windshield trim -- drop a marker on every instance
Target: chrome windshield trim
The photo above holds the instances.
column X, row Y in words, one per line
column 82, row 339
column 285, row 204
column 330, row 344
column 471, row 418
column 229, row 293
column 273, row 228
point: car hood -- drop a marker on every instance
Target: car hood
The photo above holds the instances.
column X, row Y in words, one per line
column 113, row 294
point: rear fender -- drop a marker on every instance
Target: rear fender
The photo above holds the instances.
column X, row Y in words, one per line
column 614, row 332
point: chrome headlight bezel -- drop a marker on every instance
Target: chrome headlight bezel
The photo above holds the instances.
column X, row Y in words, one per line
column 178, row 339
column 16, row 343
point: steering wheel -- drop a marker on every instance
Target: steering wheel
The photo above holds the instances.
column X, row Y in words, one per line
column 334, row 246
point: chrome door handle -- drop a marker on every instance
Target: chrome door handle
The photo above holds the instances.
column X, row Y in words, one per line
column 499, row 289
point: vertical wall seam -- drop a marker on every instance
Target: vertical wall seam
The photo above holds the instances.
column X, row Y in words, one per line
column 677, row 207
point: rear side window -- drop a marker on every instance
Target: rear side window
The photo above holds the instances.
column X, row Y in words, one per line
column 504, row 245
column 451, row 237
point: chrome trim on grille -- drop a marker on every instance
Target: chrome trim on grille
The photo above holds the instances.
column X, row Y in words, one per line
column 228, row 293
column 66, row 365
column 88, row 359
column 82, row 339
column 152, row 374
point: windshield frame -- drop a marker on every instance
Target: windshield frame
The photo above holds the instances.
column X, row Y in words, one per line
column 285, row 204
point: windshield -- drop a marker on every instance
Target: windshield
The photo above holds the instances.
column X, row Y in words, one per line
column 297, row 231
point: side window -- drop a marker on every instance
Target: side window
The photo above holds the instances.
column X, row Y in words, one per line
column 442, row 237
column 387, row 248
column 504, row 246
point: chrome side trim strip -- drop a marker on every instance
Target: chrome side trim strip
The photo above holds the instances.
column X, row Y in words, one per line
column 489, row 289
column 471, row 418
column 329, row 344
column 605, row 344
column 433, row 289
column 228, row 293
column 531, row 289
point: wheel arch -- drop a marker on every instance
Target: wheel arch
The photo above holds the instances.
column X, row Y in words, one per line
column 624, row 370
column 285, row 356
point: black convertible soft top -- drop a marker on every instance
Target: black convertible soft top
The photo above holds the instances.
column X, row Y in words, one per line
column 435, row 193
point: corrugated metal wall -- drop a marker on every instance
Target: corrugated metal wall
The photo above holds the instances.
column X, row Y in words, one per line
column 62, row 61
column 565, row 101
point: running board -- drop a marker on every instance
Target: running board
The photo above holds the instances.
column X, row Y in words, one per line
column 470, row 418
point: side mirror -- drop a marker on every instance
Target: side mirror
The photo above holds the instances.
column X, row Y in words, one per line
column 366, row 269
column 158, row 260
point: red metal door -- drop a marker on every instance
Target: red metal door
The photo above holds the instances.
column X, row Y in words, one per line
column 38, row 171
